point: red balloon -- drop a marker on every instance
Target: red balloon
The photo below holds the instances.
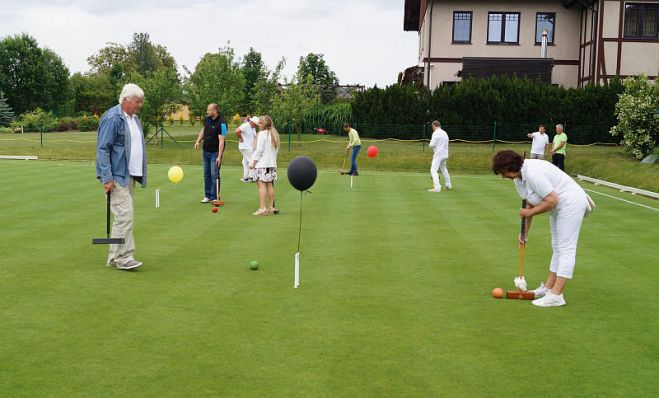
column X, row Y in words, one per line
column 372, row 151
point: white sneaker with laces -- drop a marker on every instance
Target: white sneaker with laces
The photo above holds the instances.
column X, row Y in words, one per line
column 549, row 300
column 205, row 200
column 540, row 291
column 435, row 190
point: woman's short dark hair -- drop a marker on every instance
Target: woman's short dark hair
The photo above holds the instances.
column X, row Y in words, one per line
column 505, row 161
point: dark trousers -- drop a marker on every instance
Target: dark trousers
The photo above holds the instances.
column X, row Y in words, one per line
column 558, row 160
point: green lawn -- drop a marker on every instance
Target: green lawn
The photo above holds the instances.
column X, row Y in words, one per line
column 394, row 298
column 604, row 162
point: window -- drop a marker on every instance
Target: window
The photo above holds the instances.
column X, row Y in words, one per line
column 641, row 21
column 503, row 27
column 462, row 27
column 544, row 20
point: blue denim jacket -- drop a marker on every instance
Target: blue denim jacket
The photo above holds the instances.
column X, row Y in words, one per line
column 113, row 148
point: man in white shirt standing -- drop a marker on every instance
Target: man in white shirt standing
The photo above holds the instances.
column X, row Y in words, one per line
column 439, row 145
column 120, row 163
column 246, row 134
column 540, row 143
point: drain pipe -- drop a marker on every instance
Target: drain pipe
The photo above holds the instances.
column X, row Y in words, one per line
column 543, row 47
column 432, row 3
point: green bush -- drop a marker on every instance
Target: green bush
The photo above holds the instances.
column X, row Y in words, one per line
column 67, row 124
column 37, row 120
column 88, row 123
column 330, row 117
column 6, row 130
column 516, row 105
column 638, row 116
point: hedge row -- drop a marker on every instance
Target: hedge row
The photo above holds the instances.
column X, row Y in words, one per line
column 474, row 106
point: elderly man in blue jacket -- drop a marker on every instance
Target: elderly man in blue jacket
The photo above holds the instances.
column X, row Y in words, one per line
column 120, row 163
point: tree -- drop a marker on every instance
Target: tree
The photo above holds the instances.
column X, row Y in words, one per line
column 162, row 88
column 93, row 93
column 638, row 116
column 321, row 76
column 6, row 114
column 294, row 102
column 144, row 54
column 30, row 76
column 254, row 71
column 217, row 78
column 116, row 64
column 265, row 90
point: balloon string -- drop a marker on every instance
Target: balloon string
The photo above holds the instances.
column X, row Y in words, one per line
column 299, row 232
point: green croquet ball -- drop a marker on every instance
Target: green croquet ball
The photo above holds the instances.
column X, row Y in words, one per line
column 253, row 265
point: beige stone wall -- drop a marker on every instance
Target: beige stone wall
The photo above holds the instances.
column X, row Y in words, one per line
column 637, row 58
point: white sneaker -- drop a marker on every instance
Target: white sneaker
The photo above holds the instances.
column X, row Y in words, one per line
column 549, row 300
column 435, row 190
column 449, row 187
column 129, row 264
column 205, row 200
column 540, row 291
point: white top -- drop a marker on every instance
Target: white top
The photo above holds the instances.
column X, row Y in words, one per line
column 265, row 153
column 539, row 178
column 248, row 133
column 136, row 157
column 439, row 143
column 540, row 141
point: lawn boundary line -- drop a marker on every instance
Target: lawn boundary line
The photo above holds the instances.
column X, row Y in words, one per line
column 621, row 199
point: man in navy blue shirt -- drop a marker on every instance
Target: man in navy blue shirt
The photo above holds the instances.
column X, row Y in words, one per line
column 213, row 133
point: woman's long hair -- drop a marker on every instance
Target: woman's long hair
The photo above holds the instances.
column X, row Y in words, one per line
column 267, row 125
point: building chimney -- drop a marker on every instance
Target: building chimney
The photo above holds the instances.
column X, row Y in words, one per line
column 543, row 47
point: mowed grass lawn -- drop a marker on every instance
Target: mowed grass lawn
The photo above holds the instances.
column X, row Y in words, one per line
column 394, row 298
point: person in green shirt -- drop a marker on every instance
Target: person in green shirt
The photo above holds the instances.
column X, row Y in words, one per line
column 558, row 150
column 356, row 145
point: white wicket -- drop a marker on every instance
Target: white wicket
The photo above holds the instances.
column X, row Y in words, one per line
column 157, row 198
column 296, row 283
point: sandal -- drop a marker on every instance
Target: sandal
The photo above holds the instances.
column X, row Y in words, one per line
column 260, row 212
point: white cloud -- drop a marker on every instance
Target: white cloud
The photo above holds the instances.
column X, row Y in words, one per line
column 362, row 40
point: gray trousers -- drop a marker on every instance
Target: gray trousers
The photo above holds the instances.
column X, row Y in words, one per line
column 537, row 156
column 122, row 226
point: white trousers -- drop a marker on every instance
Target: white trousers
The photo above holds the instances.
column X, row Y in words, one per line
column 247, row 157
column 565, row 226
column 121, row 205
column 439, row 163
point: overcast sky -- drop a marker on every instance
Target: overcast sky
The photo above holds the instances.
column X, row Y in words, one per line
column 363, row 40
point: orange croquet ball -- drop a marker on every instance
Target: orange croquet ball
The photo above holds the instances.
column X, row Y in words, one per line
column 372, row 151
column 497, row 292
column 214, row 210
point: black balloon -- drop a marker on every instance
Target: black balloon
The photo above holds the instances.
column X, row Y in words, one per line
column 302, row 173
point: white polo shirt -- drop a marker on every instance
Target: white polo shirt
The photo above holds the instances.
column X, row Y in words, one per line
column 539, row 178
column 136, row 158
column 248, row 134
column 540, row 141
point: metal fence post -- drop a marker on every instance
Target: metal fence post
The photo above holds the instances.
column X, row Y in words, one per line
column 423, row 137
column 494, row 137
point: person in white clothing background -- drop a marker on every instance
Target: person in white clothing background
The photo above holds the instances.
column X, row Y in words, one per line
column 264, row 163
column 547, row 189
column 246, row 134
column 439, row 145
column 540, row 143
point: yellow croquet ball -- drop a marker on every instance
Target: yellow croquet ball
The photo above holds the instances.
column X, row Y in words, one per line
column 175, row 174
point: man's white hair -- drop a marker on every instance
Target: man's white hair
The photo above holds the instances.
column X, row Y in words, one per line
column 130, row 90
column 560, row 125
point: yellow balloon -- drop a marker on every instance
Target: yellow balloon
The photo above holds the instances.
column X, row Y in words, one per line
column 175, row 174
